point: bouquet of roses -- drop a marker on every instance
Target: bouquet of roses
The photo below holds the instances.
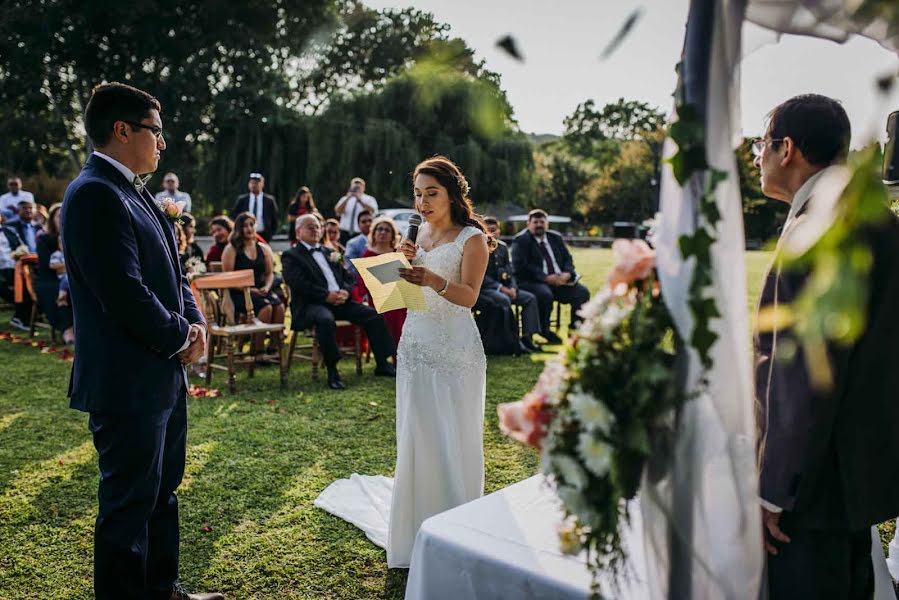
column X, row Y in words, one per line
column 602, row 406
column 194, row 267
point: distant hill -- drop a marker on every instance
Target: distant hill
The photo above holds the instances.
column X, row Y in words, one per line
column 542, row 138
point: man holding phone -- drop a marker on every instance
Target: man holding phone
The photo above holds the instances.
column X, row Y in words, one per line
column 349, row 206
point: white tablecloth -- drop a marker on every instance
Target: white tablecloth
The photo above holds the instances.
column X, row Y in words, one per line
column 505, row 546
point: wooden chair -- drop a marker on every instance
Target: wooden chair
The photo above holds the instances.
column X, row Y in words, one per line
column 311, row 351
column 227, row 336
column 556, row 320
column 27, row 275
column 215, row 266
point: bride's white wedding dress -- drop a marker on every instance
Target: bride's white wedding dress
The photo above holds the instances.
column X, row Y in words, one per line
column 440, row 390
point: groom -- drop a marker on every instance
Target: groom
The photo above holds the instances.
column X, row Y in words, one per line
column 138, row 326
column 825, row 456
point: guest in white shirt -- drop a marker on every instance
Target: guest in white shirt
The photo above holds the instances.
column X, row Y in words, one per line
column 9, row 202
column 264, row 207
column 349, row 207
column 170, row 184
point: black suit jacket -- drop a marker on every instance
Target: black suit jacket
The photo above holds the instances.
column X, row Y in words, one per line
column 827, row 456
column 499, row 269
column 527, row 260
column 132, row 306
column 269, row 212
column 306, row 281
column 12, row 237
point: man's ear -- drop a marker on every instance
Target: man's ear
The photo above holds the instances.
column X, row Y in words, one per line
column 790, row 152
column 121, row 131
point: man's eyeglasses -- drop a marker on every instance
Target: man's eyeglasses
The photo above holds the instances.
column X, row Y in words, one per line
column 758, row 146
column 157, row 131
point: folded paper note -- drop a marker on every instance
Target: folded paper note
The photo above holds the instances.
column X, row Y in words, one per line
column 387, row 290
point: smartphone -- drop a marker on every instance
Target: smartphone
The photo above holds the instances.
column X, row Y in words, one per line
column 890, row 154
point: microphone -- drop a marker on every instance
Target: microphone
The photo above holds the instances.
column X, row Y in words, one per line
column 414, row 224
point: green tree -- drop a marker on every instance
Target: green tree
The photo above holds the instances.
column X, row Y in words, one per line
column 594, row 133
column 212, row 65
column 761, row 216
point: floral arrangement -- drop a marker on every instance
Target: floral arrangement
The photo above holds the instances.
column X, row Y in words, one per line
column 603, row 406
column 20, row 252
column 194, row 267
column 171, row 209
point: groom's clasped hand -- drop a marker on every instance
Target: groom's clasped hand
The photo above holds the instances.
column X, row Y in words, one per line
column 197, row 346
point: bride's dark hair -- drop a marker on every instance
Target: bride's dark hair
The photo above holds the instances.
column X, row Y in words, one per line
column 450, row 176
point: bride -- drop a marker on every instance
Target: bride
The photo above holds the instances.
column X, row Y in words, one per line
column 441, row 377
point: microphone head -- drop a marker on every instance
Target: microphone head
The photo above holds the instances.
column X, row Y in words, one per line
column 415, row 220
column 414, row 223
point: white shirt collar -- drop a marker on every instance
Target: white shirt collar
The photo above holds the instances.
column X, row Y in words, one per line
column 802, row 195
column 310, row 246
column 128, row 173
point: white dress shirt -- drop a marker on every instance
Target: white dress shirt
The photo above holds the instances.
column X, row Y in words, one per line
column 324, row 267
column 549, row 248
column 10, row 200
column 129, row 175
column 6, row 259
column 349, row 220
column 255, row 207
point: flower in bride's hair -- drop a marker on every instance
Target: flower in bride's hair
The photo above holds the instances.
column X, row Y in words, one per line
column 596, row 453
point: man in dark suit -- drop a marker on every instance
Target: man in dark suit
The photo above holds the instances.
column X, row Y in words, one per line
column 138, row 327
column 500, row 289
column 262, row 205
column 825, row 452
column 320, row 294
column 25, row 226
column 544, row 267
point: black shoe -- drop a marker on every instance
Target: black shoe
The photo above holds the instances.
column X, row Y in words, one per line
column 334, row 381
column 530, row 345
column 551, row 338
column 522, row 349
column 385, row 370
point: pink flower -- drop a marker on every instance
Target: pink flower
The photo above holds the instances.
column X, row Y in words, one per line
column 172, row 209
column 526, row 419
column 634, row 260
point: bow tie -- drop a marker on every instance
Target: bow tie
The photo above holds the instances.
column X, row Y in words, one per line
column 140, row 182
column 317, row 249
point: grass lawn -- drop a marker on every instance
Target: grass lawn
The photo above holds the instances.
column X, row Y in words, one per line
column 256, row 460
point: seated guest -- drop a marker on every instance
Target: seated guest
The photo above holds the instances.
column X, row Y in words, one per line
column 320, row 294
column 301, row 204
column 25, row 226
column 245, row 252
column 50, row 269
column 331, row 236
column 9, row 241
column 384, row 236
column 188, row 247
column 500, row 290
column 220, row 229
column 544, row 267
column 356, row 246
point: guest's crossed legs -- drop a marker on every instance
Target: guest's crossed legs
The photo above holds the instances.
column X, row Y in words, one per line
column 575, row 295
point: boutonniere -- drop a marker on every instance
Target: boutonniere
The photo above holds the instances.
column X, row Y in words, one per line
column 171, row 209
column 335, row 257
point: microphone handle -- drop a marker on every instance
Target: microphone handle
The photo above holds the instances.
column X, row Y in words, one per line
column 412, row 233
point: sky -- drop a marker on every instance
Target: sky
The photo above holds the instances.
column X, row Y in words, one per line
column 561, row 41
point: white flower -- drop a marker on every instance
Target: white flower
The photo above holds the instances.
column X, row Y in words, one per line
column 591, row 411
column 569, row 470
column 596, row 453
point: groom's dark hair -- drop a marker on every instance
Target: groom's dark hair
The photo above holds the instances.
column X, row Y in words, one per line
column 818, row 126
column 111, row 102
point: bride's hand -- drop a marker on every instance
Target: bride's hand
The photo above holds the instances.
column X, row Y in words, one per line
column 419, row 276
column 409, row 250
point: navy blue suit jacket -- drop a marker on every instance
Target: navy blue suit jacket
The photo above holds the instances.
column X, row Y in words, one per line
column 132, row 305
column 527, row 260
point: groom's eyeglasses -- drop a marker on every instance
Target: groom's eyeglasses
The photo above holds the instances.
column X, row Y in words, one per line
column 758, row 146
column 157, row 131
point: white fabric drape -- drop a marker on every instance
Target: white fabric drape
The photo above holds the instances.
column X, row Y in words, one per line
column 709, row 495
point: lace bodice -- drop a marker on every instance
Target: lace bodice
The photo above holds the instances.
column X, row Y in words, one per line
column 443, row 337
